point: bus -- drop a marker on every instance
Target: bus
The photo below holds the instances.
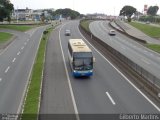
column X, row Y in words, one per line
column 80, row 58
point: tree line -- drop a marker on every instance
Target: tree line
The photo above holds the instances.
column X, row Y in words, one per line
column 6, row 9
column 128, row 11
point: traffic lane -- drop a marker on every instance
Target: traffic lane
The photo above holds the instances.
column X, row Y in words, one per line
column 12, row 49
column 91, row 96
column 132, row 44
column 14, row 80
column 56, row 97
column 134, row 55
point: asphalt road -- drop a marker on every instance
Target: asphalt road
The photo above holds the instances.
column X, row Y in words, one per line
column 142, row 56
column 107, row 91
column 16, row 61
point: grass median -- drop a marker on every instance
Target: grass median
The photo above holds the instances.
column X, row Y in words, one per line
column 21, row 28
column 150, row 30
column 4, row 37
column 154, row 47
column 31, row 105
column 85, row 24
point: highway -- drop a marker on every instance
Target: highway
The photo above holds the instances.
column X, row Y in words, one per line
column 108, row 91
column 16, row 61
column 142, row 56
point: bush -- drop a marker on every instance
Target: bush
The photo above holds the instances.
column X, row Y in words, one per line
column 129, row 19
column 45, row 32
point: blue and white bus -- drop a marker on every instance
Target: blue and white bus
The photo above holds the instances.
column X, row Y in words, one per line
column 80, row 57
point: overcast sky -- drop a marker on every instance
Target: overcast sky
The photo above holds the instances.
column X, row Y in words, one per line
column 109, row 7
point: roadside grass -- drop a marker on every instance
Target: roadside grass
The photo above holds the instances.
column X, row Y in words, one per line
column 31, row 105
column 21, row 28
column 4, row 37
column 85, row 24
column 152, row 31
column 154, row 47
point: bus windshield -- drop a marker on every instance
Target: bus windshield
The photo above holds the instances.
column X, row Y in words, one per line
column 83, row 63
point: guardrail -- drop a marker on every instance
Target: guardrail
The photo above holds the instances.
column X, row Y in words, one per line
column 124, row 28
column 149, row 82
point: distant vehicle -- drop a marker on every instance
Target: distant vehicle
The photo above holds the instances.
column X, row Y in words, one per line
column 67, row 32
column 80, row 57
column 112, row 32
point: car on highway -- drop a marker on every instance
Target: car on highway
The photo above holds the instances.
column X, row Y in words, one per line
column 67, row 32
column 112, row 32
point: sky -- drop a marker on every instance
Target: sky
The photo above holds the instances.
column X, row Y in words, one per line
column 109, row 7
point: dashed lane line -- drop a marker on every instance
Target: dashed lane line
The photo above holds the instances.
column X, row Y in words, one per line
column 22, row 48
column 111, row 99
column 7, row 69
column 19, row 53
column 13, row 60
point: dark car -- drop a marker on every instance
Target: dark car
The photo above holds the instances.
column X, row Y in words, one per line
column 67, row 32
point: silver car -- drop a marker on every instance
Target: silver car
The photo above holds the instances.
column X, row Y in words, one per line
column 112, row 32
column 67, row 32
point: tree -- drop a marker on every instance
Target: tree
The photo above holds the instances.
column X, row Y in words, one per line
column 42, row 17
column 67, row 13
column 6, row 9
column 152, row 10
column 127, row 11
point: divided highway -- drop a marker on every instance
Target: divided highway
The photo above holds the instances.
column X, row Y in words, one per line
column 107, row 91
column 142, row 56
column 16, row 62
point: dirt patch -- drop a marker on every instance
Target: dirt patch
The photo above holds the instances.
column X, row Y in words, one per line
column 5, row 44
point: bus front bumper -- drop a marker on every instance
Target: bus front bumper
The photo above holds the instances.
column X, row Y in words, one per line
column 82, row 73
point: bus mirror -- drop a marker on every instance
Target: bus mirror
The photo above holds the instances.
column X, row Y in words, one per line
column 94, row 59
column 71, row 60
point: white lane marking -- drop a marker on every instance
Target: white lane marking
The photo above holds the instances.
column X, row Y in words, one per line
column 150, row 101
column 0, row 79
column 7, row 69
column 18, row 53
column 25, row 43
column 145, row 61
column 32, row 33
column 68, row 79
column 13, row 60
column 22, row 48
column 111, row 99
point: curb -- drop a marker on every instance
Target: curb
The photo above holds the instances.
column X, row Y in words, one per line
column 124, row 32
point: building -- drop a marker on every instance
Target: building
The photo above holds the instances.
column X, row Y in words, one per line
column 29, row 14
column 22, row 14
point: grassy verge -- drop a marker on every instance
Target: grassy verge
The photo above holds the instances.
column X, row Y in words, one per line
column 4, row 37
column 85, row 24
column 30, row 110
column 147, row 29
column 154, row 47
column 21, row 28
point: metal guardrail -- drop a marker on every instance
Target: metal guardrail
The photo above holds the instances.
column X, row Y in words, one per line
column 124, row 29
column 151, row 82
